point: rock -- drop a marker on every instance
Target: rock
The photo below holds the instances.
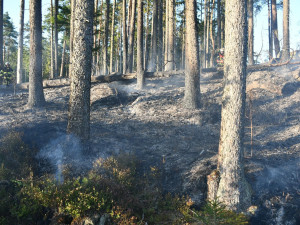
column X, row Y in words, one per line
column 104, row 220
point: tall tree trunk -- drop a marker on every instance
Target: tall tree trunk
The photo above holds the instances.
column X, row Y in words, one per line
column 160, row 35
column 73, row 5
column 233, row 188
column 286, row 30
column 36, row 95
column 98, row 64
column 79, row 105
column 166, row 34
column 212, row 51
column 139, row 57
column 52, row 63
column 63, row 58
column 131, row 37
column 207, row 32
column 192, row 71
column 270, row 30
column 94, row 71
column 275, row 28
column 125, row 47
column 250, row 32
column 219, row 23
column 112, row 39
column 170, row 43
column 20, row 47
column 146, row 36
column 204, row 35
column 56, row 39
column 105, row 44
column 1, row 33
column 153, row 49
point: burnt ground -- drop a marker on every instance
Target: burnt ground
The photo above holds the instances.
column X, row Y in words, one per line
column 154, row 125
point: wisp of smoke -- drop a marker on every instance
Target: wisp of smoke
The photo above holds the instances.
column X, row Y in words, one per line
column 65, row 149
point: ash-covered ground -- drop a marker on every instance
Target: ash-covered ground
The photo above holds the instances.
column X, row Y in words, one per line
column 154, row 125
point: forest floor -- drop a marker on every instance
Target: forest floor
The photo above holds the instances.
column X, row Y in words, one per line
column 154, row 125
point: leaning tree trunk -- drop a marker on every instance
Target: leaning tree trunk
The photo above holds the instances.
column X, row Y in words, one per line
column 170, row 43
column 1, row 33
column 233, row 189
column 124, row 38
column 286, row 30
column 250, row 32
column 36, row 95
column 63, row 57
column 192, row 71
column 275, row 28
column 20, row 47
column 139, row 59
column 79, row 106
column 112, row 38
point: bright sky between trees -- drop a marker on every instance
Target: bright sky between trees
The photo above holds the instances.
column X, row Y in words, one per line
column 260, row 31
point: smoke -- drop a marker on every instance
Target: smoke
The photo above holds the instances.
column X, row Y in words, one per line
column 65, row 149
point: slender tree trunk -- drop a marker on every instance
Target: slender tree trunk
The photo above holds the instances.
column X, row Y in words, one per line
column 275, row 28
column 212, row 52
column 192, row 71
column 52, row 63
column 124, row 39
column 98, row 64
column 250, row 33
column 56, row 39
column 160, row 35
column 131, row 37
column 139, row 57
column 105, row 44
column 207, row 33
column 233, row 188
column 20, row 47
column 73, row 5
column 286, row 30
column 219, row 23
column 153, row 52
column 204, row 34
column 166, row 34
column 36, row 95
column 270, row 30
column 112, row 39
column 171, row 26
column 94, row 71
column 146, row 37
column 1, row 33
column 79, row 106
column 63, row 58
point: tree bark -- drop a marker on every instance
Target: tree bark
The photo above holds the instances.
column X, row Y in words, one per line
column 125, row 47
column 98, row 64
column 146, row 36
column 105, row 44
column 275, row 28
column 286, row 31
column 63, row 58
column 94, row 71
column 219, row 23
column 20, row 47
column 160, row 35
column 139, row 57
column 192, row 71
column 112, row 38
column 166, row 39
column 79, row 105
column 170, row 43
column 36, row 95
column 73, row 5
column 52, row 63
column 56, row 39
column 212, row 51
column 233, row 188
column 153, row 49
column 1, row 33
column 131, row 37
column 270, row 30
column 250, row 33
